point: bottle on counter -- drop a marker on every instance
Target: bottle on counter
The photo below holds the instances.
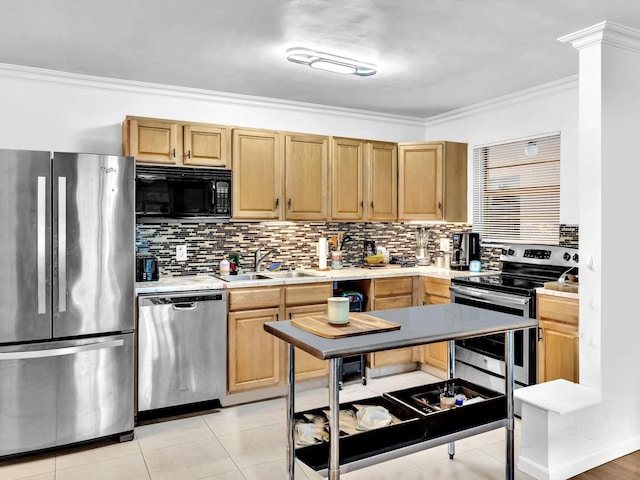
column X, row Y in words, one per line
column 225, row 266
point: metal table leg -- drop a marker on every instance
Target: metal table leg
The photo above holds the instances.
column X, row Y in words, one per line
column 291, row 437
column 452, row 374
column 334, row 412
column 509, row 386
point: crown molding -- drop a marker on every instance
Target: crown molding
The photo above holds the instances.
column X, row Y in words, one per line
column 57, row 77
column 608, row 33
column 545, row 89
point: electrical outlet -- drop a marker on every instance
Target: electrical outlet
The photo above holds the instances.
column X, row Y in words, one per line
column 181, row 253
column 444, row 244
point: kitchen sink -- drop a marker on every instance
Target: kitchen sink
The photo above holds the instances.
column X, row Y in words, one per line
column 243, row 277
column 288, row 274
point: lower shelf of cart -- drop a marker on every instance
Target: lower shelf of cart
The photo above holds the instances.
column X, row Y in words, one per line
column 374, row 457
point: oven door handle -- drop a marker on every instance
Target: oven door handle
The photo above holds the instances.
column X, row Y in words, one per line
column 490, row 297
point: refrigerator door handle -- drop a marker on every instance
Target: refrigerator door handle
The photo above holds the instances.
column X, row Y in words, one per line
column 62, row 244
column 57, row 352
column 40, row 244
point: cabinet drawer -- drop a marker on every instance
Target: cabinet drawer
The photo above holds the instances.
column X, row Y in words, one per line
column 436, row 286
column 558, row 309
column 309, row 294
column 252, row 298
column 401, row 301
column 393, row 286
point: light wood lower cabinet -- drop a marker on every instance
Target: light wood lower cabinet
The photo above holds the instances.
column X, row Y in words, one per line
column 254, row 355
column 308, row 366
column 435, row 356
column 257, row 359
column 558, row 345
column 385, row 294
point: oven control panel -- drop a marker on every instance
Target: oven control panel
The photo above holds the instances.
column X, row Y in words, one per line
column 540, row 255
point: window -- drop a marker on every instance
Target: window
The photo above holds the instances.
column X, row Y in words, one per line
column 516, row 191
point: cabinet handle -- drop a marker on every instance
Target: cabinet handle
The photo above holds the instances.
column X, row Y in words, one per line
column 189, row 154
column 424, row 303
column 277, row 202
column 290, row 316
column 361, row 204
column 539, row 334
column 289, row 203
column 277, row 317
column 173, row 153
column 439, row 205
column 371, row 205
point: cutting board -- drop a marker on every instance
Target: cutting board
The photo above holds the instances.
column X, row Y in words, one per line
column 562, row 287
column 359, row 324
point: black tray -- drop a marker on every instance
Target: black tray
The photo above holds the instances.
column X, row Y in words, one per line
column 364, row 444
column 425, row 400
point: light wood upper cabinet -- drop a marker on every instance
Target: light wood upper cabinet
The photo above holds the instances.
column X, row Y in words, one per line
column 347, row 175
column 206, row 146
column 257, row 175
column 432, row 181
column 558, row 345
column 171, row 142
column 364, row 178
column 382, row 181
column 306, row 171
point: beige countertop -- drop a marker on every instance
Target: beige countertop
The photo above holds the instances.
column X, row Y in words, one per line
column 210, row 282
column 557, row 293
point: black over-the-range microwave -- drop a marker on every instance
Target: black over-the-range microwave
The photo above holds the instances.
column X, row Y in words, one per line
column 182, row 194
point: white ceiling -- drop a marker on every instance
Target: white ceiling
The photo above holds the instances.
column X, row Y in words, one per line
column 433, row 56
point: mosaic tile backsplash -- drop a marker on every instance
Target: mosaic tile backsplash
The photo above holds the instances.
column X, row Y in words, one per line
column 207, row 244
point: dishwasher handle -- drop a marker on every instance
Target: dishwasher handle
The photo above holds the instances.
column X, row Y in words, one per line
column 182, row 300
column 184, row 306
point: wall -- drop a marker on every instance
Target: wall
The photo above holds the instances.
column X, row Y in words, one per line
column 48, row 110
column 548, row 108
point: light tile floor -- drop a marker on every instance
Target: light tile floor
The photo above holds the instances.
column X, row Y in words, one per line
column 248, row 442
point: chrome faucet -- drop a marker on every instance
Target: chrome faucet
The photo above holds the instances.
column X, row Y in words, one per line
column 257, row 259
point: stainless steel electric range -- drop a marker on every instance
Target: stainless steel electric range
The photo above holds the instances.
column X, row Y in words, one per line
column 524, row 268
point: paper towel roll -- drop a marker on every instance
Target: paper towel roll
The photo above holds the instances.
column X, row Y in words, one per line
column 323, row 249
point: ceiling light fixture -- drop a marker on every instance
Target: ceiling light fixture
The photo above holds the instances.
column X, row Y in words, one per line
column 330, row 63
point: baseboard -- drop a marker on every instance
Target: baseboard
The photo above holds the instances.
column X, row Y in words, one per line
column 581, row 464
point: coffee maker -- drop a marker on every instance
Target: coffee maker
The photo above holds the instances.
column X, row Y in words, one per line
column 466, row 247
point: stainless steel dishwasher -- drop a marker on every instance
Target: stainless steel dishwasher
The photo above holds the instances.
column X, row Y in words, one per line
column 182, row 348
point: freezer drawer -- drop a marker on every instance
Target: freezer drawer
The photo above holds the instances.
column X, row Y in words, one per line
column 58, row 393
column 182, row 348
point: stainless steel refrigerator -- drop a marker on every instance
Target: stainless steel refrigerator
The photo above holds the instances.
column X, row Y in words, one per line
column 67, row 231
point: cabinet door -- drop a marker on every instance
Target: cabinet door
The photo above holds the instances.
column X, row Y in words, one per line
column 254, row 356
column 306, row 165
column 154, row 141
column 558, row 356
column 257, row 174
column 381, row 174
column 206, row 146
column 435, row 356
column 308, row 366
column 420, row 181
column 398, row 355
column 347, row 163
column 558, row 348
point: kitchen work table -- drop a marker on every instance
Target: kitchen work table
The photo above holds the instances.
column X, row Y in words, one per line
column 418, row 326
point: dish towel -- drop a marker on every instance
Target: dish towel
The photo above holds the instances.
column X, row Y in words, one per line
column 373, row 417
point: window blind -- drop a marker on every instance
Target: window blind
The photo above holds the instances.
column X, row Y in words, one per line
column 516, row 191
